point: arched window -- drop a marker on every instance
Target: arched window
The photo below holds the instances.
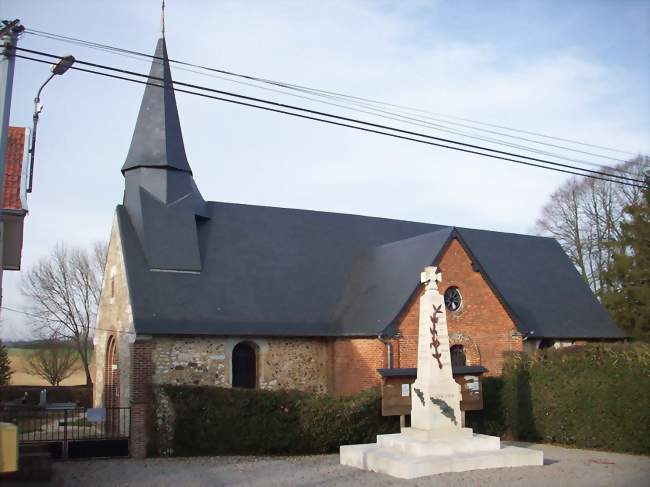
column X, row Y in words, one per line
column 457, row 355
column 244, row 366
column 111, row 375
column 546, row 343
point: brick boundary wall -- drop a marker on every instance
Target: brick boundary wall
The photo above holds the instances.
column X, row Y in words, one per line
column 141, row 395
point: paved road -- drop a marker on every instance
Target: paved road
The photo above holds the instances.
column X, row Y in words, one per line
column 563, row 468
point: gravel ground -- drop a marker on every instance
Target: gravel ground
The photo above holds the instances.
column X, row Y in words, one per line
column 563, row 467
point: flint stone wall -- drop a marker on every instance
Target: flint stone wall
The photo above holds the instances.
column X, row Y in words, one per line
column 294, row 363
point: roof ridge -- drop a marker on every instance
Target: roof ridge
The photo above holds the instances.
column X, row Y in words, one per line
column 501, row 232
column 441, row 225
column 324, row 212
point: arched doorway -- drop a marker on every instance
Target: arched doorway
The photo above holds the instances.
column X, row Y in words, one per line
column 111, row 375
column 457, row 356
column 244, row 366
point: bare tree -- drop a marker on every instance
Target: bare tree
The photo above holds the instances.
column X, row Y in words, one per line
column 54, row 362
column 5, row 366
column 64, row 289
column 584, row 216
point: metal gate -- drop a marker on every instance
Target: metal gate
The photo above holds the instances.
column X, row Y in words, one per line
column 72, row 432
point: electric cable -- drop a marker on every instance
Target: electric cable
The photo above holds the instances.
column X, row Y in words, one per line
column 108, row 48
column 325, row 114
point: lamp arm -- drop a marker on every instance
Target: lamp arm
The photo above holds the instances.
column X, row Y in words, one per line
column 38, row 94
column 32, row 150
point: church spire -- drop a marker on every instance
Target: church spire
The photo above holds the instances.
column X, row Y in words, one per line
column 160, row 196
column 157, row 139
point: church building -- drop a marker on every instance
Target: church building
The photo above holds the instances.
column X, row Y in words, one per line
column 233, row 295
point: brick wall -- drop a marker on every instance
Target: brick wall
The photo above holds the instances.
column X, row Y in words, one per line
column 142, row 368
column 14, row 168
column 355, row 362
column 408, row 325
column 481, row 325
column 138, row 438
column 141, row 377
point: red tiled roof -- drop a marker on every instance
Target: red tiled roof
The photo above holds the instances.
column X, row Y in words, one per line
column 14, row 168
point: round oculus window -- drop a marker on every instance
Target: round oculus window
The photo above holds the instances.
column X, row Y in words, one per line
column 453, row 299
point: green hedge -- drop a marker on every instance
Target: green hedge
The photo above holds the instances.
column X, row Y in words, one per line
column 589, row 397
column 490, row 420
column 214, row 421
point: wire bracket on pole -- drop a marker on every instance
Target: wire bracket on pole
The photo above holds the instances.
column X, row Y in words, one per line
column 12, row 25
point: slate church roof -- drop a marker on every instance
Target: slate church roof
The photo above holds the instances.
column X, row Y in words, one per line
column 196, row 267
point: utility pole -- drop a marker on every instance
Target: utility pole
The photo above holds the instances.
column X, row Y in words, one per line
column 9, row 31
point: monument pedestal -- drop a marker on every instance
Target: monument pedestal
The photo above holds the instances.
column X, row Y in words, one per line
column 417, row 453
column 436, row 443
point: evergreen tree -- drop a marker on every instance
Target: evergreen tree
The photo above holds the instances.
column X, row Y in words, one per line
column 628, row 298
column 5, row 366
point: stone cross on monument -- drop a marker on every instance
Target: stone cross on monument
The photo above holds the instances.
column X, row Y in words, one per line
column 436, row 442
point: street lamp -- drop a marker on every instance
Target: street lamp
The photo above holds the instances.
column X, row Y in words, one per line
column 57, row 69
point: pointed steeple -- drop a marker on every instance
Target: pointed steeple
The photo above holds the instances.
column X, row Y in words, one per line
column 157, row 139
column 160, row 195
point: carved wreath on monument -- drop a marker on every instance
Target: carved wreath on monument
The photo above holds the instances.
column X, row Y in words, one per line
column 435, row 343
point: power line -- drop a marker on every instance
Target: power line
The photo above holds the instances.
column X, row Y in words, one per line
column 321, row 92
column 409, row 120
column 364, row 129
column 398, row 116
column 357, row 127
column 406, row 109
column 105, row 47
column 338, row 117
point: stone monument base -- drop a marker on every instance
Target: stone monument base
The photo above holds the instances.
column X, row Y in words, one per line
column 417, row 453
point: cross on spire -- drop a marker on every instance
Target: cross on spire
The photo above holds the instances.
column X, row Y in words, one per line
column 162, row 19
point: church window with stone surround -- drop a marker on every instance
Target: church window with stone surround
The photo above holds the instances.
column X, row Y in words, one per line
column 453, row 299
column 244, row 366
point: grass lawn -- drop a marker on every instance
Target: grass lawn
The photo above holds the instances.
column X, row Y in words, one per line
column 18, row 358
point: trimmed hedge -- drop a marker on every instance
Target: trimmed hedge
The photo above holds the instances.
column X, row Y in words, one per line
column 589, row 397
column 215, row 421
column 490, row 420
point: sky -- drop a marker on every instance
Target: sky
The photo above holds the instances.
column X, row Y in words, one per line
column 578, row 70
